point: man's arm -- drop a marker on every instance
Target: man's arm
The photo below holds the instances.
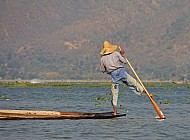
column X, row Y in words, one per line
column 121, row 55
column 121, row 58
column 102, row 67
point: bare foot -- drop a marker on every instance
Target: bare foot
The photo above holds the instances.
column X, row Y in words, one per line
column 114, row 114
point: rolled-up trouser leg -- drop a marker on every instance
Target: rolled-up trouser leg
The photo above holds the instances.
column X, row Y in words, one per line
column 133, row 84
column 115, row 90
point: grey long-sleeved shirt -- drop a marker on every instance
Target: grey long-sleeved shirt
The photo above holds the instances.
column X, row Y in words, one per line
column 111, row 62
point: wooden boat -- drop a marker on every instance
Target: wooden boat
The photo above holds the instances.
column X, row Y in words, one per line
column 31, row 114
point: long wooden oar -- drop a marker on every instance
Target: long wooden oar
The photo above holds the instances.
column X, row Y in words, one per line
column 159, row 112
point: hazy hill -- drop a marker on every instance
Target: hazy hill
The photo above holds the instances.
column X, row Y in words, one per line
column 61, row 39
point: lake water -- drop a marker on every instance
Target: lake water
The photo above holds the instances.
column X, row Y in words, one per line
column 140, row 122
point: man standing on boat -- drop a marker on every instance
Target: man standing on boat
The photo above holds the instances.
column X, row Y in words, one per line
column 112, row 62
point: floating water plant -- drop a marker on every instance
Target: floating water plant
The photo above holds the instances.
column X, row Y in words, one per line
column 101, row 98
column 156, row 95
column 109, row 93
column 165, row 102
column 121, row 107
column 5, row 98
column 98, row 104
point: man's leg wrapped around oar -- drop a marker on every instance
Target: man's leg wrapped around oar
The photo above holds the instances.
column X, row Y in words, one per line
column 134, row 85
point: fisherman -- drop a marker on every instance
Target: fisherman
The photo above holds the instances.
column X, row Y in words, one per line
column 112, row 62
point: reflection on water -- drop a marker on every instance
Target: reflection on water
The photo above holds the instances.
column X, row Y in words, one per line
column 140, row 122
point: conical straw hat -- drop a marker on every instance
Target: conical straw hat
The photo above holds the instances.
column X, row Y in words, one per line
column 108, row 48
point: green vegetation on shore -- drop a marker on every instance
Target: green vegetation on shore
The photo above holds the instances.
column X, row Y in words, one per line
column 52, row 84
column 85, row 84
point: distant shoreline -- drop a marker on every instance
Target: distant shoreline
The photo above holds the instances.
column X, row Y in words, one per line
column 88, row 81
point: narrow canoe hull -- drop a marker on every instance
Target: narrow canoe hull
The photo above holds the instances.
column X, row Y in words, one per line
column 30, row 114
